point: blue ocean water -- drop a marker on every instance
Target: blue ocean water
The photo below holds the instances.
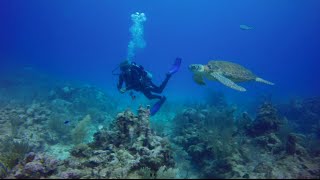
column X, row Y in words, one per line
column 84, row 41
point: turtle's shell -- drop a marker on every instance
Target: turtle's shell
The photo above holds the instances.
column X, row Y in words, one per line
column 233, row 71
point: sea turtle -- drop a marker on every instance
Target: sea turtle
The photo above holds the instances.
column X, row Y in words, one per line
column 225, row 72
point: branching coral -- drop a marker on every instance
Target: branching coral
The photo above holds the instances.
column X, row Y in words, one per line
column 12, row 151
column 146, row 173
column 79, row 133
column 3, row 171
column 162, row 173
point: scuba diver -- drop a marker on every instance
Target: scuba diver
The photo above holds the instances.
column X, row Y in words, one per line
column 138, row 79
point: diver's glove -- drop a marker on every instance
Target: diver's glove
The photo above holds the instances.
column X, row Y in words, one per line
column 123, row 90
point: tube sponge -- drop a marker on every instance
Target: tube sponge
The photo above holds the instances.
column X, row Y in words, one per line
column 137, row 32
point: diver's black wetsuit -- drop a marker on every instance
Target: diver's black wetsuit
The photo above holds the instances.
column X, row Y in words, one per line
column 136, row 78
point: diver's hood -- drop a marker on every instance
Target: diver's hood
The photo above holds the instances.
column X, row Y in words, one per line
column 125, row 64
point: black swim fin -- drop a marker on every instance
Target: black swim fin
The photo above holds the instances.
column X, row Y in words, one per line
column 175, row 67
column 155, row 108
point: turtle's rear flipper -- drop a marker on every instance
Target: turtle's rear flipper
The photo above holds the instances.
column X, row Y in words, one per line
column 263, row 81
column 227, row 82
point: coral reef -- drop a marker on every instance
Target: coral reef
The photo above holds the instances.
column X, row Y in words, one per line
column 222, row 147
column 11, row 151
column 267, row 121
column 132, row 135
column 35, row 165
column 205, row 134
column 21, row 131
column 39, row 126
column 304, row 113
column 119, row 152
column 25, row 123
column 202, row 139
column 83, row 99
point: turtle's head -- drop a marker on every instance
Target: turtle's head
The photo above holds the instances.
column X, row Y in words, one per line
column 196, row 68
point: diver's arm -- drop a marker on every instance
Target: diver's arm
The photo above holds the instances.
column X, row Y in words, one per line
column 120, row 82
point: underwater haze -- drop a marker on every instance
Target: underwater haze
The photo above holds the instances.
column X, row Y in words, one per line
column 62, row 114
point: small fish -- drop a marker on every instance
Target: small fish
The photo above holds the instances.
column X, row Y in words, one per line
column 67, row 122
column 245, row 27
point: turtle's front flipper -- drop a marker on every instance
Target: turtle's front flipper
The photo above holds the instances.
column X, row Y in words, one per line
column 198, row 79
column 227, row 82
column 264, row 81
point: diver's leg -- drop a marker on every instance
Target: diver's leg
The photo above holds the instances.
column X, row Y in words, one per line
column 155, row 108
column 159, row 89
column 149, row 95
